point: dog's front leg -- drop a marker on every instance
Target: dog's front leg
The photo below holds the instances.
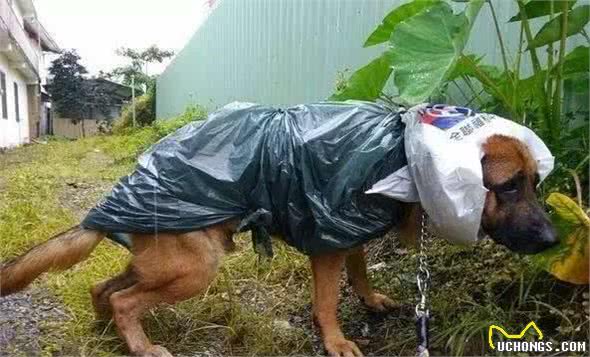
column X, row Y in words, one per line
column 356, row 269
column 327, row 269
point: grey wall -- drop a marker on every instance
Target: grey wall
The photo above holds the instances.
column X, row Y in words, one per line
column 285, row 52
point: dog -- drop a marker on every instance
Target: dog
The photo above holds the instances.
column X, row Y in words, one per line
column 176, row 267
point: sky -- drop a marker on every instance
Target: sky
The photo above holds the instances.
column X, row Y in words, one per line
column 96, row 28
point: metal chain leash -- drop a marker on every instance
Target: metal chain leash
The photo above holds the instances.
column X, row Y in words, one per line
column 423, row 280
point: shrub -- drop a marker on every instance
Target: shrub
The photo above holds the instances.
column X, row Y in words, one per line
column 192, row 113
column 130, row 142
column 145, row 112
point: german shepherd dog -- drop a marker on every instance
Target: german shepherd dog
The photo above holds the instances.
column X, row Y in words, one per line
column 176, row 267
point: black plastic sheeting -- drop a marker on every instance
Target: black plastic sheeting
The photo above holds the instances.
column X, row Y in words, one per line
column 300, row 173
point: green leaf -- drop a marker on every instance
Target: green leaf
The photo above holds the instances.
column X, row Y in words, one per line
column 470, row 65
column 366, row 83
column 531, row 90
column 425, row 48
column 515, row 96
column 568, row 261
column 471, row 11
column 551, row 31
column 578, row 84
column 538, row 8
column 567, row 209
column 575, row 62
column 383, row 32
column 463, row 67
column 494, row 81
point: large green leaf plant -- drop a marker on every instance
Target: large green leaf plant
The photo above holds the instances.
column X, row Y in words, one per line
column 428, row 59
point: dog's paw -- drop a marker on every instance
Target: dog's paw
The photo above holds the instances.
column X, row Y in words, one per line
column 156, row 351
column 341, row 347
column 379, row 302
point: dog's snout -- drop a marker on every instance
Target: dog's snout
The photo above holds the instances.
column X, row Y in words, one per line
column 541, row 233
column 530, row 232
column 548, row 235
column 537, row 241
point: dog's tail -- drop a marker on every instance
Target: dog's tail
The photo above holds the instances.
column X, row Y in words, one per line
column 58, row 253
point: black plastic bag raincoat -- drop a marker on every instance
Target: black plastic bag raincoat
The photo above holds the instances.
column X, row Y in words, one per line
column 299, row 172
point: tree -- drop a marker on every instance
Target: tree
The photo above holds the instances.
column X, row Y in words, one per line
column 139, row 67
column 74, row 96
column 66, row 86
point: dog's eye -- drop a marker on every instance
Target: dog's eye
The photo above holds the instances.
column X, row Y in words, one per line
column 507, row 191
column 508, row 187
column 508, row 195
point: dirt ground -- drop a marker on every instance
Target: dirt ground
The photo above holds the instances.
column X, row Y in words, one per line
column 26, row 318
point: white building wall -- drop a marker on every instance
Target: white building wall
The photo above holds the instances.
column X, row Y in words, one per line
column 13, row 133
column 17, row 10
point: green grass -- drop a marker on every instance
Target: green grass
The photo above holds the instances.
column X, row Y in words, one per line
column 239, row 314
column 33, row 180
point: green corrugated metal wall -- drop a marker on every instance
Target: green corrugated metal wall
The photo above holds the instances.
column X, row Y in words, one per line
column 287, row 52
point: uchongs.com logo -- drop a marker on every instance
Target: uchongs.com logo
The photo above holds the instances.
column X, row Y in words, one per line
column 518, row 343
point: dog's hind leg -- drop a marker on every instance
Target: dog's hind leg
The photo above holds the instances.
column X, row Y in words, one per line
column 356, row 269
column 102, row 292
column 169, row 269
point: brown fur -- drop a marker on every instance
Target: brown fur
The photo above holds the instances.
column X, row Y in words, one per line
column 59, row 253
column 411, row 224
column 512, row 215
column 504, row 158
column 168, row 268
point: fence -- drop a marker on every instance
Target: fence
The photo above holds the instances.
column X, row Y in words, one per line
column 284, row 52
column 73, row 130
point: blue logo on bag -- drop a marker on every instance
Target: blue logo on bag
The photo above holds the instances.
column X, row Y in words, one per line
column 444, row 116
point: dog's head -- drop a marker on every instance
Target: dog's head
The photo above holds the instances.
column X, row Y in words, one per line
column 512, row 215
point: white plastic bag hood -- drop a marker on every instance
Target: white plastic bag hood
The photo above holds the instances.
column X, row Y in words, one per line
column 444, row 147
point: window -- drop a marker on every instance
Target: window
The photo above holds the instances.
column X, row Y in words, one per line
column 3, row 93
column 16, row 108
